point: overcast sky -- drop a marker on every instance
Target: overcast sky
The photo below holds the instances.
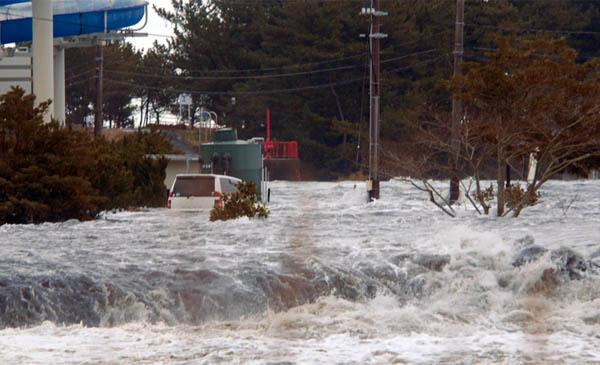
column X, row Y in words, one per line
column 156, row 25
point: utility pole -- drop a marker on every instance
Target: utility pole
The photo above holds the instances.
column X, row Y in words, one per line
column 99, row 118
column 375, row 37
column 457, row 110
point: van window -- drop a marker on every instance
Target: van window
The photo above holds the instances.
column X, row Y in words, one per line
column 228, row 186
column 194, row 186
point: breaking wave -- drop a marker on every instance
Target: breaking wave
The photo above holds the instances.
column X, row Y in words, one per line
column 394, row 281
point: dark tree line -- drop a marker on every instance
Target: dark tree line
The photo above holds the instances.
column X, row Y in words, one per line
column 306, row 61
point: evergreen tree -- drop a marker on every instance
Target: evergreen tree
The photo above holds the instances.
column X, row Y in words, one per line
column 325, row 105
column 49, row 173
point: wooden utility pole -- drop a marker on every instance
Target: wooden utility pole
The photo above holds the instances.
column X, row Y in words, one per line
column 375, row 37
column 457, row 110
column 98, row 117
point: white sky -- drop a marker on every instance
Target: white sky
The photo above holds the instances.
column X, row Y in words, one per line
column 156, row 25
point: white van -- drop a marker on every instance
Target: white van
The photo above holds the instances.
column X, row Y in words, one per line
column 199, row 191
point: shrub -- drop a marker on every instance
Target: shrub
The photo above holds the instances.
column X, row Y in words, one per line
column 242, row 203
column 48, row 173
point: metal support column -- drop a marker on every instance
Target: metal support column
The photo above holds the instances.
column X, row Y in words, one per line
column 43, row 56
column 59, row 85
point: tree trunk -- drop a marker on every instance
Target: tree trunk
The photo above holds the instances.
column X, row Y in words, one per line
column 2, row 142
column 141, row 111
column 501, row 171
column 480, row 198
column 147, row 111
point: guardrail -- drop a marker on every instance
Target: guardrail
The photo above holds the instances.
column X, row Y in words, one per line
column 277, row 149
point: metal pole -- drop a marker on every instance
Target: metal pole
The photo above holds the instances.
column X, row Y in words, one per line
column 200, row 126
column 59, row 86
column 268, row 125
column 99, row 118
column 370, row 187
column 457, row 110
column 43, row 56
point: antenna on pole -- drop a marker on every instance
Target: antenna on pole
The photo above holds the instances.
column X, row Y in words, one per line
column 375, row 37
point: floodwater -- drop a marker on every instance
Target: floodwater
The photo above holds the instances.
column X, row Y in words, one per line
column 326, row 279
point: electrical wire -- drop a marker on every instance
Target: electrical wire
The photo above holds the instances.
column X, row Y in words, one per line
column 253, row 77
column 264, row 92
column 70, row 78
column 249, row 77
column 256, row 92
column 541, row 55
column 533, row 30
column 293, row 66
column 299, row 65
column 421, row 63
column 73, row 83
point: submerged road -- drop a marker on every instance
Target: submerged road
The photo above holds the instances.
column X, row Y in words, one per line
column 326, row 279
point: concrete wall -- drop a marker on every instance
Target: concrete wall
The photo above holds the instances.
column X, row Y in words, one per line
column 15, row 71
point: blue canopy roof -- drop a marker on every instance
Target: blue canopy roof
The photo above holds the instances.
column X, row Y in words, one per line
column 8, row 2
column 71, row 17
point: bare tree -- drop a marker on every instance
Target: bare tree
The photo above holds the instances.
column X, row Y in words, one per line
column 529, row 97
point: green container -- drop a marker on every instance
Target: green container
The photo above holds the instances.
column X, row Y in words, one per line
column 227, row 155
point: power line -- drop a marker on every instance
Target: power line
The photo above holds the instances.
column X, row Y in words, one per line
column 79, row 75
column 73, row 83
column 248, row 77
column 282, row 75
column 309, row 64
column 540, row 55
column 263, row 92
column 421, row 63
column 258, row 92
column 293, row 66
column 532, row 30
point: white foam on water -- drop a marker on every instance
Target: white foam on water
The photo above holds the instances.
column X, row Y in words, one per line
column 476, row 309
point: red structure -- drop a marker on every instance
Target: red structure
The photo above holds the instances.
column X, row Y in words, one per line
column 278, row 149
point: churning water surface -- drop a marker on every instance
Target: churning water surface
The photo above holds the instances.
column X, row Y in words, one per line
column 326, row 279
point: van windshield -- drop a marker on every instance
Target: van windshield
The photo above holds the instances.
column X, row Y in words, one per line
column 194, row 186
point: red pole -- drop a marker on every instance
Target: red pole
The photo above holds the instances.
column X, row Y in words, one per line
column 268, row 152
column 268, row 125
